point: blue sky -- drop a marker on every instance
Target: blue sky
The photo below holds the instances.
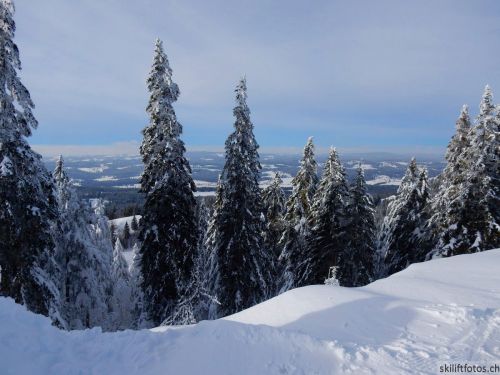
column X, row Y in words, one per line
column 361, row 75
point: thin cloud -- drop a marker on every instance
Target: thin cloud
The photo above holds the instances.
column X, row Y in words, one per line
column 394, row 67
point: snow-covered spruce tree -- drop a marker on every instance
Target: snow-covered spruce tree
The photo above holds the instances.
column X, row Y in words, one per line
column 469, row 195
column 84, row 257
column 482, row 186
column 28, row 209
column 298, row 208
column 447, row 208
column 121, row 302
column 243, row 266
column 134, row 225
column 168, row 228
column 126, row 235
column 406, row 237
column 359, row 249
column 139, row 317
column 326, row 239
column 114, row 232
column 406, row 186
column 274, row 201
column 201, row 299
column 212, row 242
column 194, row 306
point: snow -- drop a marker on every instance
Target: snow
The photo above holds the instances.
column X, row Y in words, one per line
column 205, row 184
column 204, row 193
column 386, row 164
column 120, row 222
column 268, row 177
column 269, row 166
column 366, row 167
column 99, row 169
column 130, row 186
column 434, row 313
column 355, row 164
column 5, row 167
column 106, row 178
column 384, row 180
column 128, row 254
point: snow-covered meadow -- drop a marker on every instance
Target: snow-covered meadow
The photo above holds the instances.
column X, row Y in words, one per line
column 409, row 323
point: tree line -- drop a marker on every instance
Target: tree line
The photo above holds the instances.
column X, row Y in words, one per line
column 59, row 258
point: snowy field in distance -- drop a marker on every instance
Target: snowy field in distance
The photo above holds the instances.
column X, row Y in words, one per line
column 434, row 313
column 384, row 180
column 123, row 173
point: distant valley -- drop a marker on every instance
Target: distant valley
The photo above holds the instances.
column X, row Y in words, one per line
column 116, row 178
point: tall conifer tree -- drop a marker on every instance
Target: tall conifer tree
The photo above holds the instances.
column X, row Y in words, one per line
column 298, row 209
column 241, row 263
column 359, row 250
column 84, row 258
column 406, row 237
column 326, row 240
column 446, row 223
column 168, row 228
column 274, row 201
column 466, row 215
column 28, row 209
column 121, row 301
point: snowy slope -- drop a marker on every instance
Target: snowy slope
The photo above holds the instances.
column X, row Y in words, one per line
column 438, row 312
column 120, row 222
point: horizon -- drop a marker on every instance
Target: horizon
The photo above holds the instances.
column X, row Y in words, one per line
column 371, row 81
column 131, row 149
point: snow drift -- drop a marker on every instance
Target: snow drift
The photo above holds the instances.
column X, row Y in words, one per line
column 434, row 313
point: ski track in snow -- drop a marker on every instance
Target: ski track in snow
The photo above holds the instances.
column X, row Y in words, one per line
column 434, row 313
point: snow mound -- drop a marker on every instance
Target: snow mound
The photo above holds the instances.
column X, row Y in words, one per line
column 434, row 313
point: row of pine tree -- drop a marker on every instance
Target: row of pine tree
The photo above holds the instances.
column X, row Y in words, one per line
column 58, row 256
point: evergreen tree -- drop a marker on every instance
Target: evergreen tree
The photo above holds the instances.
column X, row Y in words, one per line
column 482, row 185
column 212, row 241
column 195, row 304
column 28, row 209
column 122, row 309
column 84, row 257
column 446, row 221
column 298, row 209
column 327, row 221
column 134, row 225
column 394, row 205
column 113, row 231
column 168, row 228
column 406, row 237
column 273, row 198
column 126, row 235
column 468, row 199
column 359, row 251
column 139, row 317
column 241, row 262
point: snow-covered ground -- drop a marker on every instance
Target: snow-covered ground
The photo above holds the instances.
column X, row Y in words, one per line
column 435, row 313
column 99, row 169
column 119, row 223
column 106, row 178
column 384, row 180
